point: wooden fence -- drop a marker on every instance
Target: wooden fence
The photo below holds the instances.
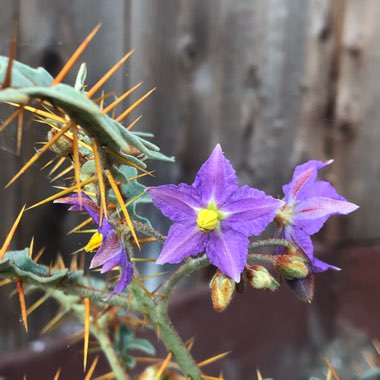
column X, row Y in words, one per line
column 276, row 82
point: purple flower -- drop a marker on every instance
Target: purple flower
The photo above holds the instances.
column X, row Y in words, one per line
column 214, row 215
column 111, row 252
column 308, row 204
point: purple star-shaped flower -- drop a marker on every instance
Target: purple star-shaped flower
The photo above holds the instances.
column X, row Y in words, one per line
column 308, row 204
column 111, row 252
column 214, row 215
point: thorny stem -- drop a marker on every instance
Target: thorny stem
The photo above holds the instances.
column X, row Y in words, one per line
column 139, row 302
column 98, row 329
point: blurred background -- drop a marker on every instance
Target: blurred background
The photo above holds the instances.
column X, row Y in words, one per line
column 276, row 82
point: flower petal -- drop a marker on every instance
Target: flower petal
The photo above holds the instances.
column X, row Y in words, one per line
column 250, row 210
column 216, row 179
column 126, row 270
column 303, row 177
column 300, row 239
column 319, row 207
column 176, row 202
column 227, row 249
column 87, row 204
column 303, row 241
column 111, row 247
column 184, row 239
column 320, row 266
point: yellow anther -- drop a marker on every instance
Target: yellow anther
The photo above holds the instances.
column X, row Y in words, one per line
column 207, row 220
column 94, row 243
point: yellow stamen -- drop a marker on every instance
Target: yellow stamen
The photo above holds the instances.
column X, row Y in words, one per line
column 207, row 220
column 94, row 243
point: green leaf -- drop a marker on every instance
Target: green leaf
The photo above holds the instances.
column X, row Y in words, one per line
column 19, row 264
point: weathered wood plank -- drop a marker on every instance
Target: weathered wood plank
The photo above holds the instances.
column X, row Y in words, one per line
column 357, row 125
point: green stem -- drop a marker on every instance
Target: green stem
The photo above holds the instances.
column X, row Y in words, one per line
column 99, row 329
column 149, row 231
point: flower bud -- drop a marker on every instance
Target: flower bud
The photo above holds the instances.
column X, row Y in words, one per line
column 303, row 288
column 222, row 291
column 291, row 267
column 63, row 146
column 260, row 278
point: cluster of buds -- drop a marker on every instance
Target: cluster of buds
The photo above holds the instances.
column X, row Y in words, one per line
column 291, row 267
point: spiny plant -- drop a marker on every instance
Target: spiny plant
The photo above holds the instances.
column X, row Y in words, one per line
column 214, row 220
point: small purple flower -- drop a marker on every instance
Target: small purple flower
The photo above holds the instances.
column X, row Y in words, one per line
column 214, row 215
column 111, row 252
column 308, row 204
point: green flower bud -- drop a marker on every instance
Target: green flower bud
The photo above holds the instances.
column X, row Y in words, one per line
column 291, row 267
column 222, row 291
column 260, row 278
column 63, row 145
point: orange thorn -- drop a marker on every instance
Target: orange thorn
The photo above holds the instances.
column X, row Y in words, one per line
column 31, row 246
column 57, row 165
column 9, row 237
column 120, row 200
column 92, row 369
column 121, row 98
column 331, row 368
column 70, row 63
column 86, row 302
column 57, row 374
column 38, row 154
column 39, row 254
column 133, row 106
column 37, row 304
column 99, row 174
column 20, row 119
column 134, row 122
column 213, row 359
column 11, row 118
column 79, row 226
column 108, row 74
column 21, row 297
column 12, row 55
column 76, row 163
column 164, row 365
column 62, row 193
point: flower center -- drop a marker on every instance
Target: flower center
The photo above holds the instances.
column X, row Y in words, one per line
column 94, row 243
column 285, row 215
column 207, row 220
